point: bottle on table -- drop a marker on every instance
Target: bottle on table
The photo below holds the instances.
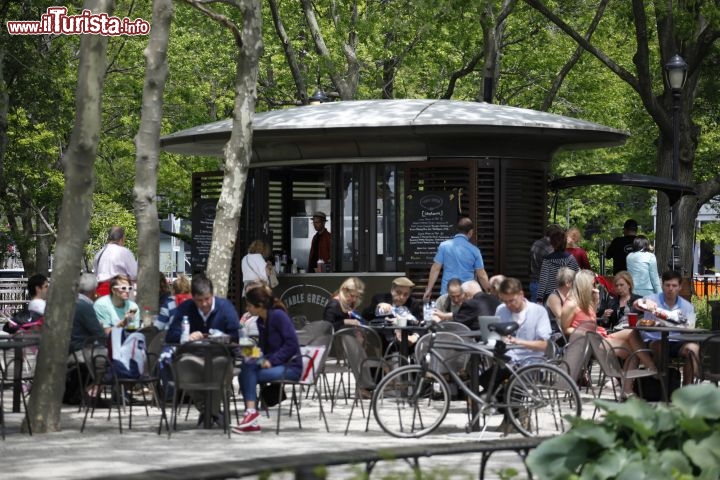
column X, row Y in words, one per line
column 147, row 318
column 185, row 335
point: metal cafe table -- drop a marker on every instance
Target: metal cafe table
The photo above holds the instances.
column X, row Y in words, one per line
column 17, row 343
column 405, row 331
column 665, row 331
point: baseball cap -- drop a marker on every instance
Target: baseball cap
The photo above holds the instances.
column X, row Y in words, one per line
column 320, row 215
column 403, row 282
column 630, row 224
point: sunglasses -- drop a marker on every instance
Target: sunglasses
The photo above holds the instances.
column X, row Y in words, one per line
column 123, row 288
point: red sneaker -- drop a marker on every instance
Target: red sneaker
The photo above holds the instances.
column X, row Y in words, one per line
column 248, row 419
column 252, row 428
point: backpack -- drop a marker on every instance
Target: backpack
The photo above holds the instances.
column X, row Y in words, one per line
column 127, row 351
column 24, row 320
column 652, row 389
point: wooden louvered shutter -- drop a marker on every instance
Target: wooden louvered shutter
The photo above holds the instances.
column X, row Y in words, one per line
column 524, row 215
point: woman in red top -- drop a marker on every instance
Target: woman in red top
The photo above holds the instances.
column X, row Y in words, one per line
column 579, row 314
column 573, row 248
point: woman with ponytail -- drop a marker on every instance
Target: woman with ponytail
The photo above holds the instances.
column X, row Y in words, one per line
column 279, row 345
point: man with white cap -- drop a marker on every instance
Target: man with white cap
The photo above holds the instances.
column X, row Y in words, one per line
column 320, row 246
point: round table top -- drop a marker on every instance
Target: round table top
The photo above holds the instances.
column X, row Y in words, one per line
column 671, row 328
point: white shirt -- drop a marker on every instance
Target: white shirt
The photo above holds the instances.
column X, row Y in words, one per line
column 254, row 268
column 37, row 305
column 114, row 260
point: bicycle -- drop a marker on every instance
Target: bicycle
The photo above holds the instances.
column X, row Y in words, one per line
column 413, row 400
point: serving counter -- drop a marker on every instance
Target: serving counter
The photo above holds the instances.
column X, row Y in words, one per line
column 306, row 294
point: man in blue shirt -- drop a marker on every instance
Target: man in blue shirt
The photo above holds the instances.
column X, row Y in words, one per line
column 205, row 312
column 458, row 258
column 670, row 300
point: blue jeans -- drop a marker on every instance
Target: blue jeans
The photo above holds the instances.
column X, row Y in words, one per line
column 534, row 285
column 251, row 375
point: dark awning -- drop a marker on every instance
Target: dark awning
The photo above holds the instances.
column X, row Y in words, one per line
column 673, row 189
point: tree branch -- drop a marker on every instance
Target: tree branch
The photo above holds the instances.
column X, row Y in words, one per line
column 218, row 17
column 560, row 78
column 607, row 61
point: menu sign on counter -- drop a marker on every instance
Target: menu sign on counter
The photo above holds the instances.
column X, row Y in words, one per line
column 430, row 219
column 203, row 217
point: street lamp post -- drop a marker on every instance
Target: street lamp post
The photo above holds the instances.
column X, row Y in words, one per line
column 675, row 74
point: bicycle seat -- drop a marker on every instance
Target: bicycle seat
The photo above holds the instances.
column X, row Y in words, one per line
column 504, row 328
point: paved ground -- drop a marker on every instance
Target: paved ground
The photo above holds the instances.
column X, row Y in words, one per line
column 101, row 450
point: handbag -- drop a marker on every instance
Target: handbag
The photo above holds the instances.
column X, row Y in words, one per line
column 271, row 395
column 272, row 276
column 270, row 273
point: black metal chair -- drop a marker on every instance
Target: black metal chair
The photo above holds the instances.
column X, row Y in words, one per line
column 17, row 371
column 314, row 356
column 202, row 366
column 104, row 379
column 710, row 359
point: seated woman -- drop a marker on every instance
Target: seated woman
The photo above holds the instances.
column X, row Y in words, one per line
column 621, row 304
column 340, row 310
column 579, row 313
column 279, row 345
column 168, row 307
column 557, row 298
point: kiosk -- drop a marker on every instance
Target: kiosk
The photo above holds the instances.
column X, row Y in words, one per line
column 394, row 175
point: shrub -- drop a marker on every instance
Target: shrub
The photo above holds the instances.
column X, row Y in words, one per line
column 638, row 441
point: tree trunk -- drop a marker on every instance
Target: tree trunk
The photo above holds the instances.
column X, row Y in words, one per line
column 147, row 144
column 238, row 150
column 74, row 222
column 43, row 240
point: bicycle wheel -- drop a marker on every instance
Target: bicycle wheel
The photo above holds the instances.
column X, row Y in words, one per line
column 411, row 402
column 538, row 397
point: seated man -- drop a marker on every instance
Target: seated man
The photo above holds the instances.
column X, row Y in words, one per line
column 399, row 296
column 447, row 305
column 205, row 312
column 669, row 300
column 476, row 303
column 85, row 325
column 85, row 322
column 534, row 331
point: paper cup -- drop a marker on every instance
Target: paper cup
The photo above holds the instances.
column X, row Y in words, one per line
column 401, row 321
column 690, row 319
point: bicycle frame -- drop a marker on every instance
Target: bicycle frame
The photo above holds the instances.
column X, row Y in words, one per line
column 496, row 357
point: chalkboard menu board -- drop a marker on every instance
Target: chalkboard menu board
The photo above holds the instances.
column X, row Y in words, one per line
column 203, row 217
column 430, row 218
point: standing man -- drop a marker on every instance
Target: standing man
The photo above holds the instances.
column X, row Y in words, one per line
column 620, row 247
column 538, row 251
column 114, row 259
column 458, row 258
column 320, row 246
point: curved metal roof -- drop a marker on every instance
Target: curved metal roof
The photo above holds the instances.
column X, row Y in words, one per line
column 672, row 188
column 398, row 129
